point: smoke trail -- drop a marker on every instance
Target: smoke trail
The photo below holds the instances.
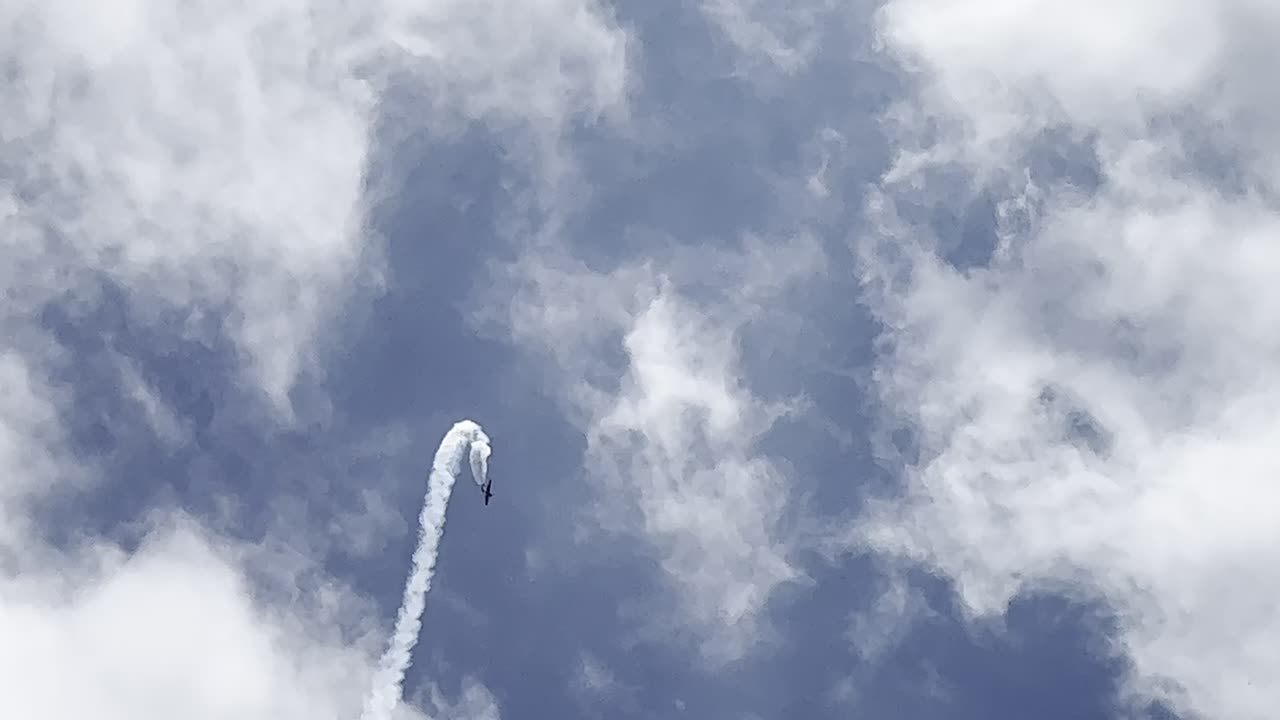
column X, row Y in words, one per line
column 464, row 436
column 480, row 460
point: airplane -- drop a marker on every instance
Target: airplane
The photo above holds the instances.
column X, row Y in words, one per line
column 488, row 492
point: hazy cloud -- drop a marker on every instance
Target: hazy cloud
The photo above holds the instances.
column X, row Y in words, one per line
column 1092, row 404
column 206, row 163
column 647, row 362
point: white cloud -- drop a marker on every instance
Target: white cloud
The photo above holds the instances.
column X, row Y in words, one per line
column 162, row 422
column 171, row 630
column 1095, row 410
column 896, row 607
column 179, row 627
column 1073, row 51
column 475, row 703
column 646, row 362
column 784, row 35
column 596, row 686
column 209, row 160
column 31, row 446
column 541, row 63
column 594, row 677
column 215, row 157
column 191, row 624
column 994, row 75
column 364, row 531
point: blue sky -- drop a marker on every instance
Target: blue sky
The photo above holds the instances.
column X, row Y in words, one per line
column 905, row 359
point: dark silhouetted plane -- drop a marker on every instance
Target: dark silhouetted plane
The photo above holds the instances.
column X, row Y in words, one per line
column 488, row 492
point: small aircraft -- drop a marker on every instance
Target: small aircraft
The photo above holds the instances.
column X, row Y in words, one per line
column 488, row 492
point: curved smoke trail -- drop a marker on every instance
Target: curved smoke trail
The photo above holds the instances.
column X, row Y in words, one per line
column 464, row 437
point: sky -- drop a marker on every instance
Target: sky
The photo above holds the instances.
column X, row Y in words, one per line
column 899, row 359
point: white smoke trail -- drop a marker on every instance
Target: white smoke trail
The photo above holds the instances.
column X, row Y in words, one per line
column 480, row 460
column 463, row 437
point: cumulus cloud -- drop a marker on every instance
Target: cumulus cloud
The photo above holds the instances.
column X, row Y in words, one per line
column 180, row 626
column 32, row 445
column 208, row 163
column 213, row 161
column 1092, row 405
column 171, row 629
column 646, row 359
